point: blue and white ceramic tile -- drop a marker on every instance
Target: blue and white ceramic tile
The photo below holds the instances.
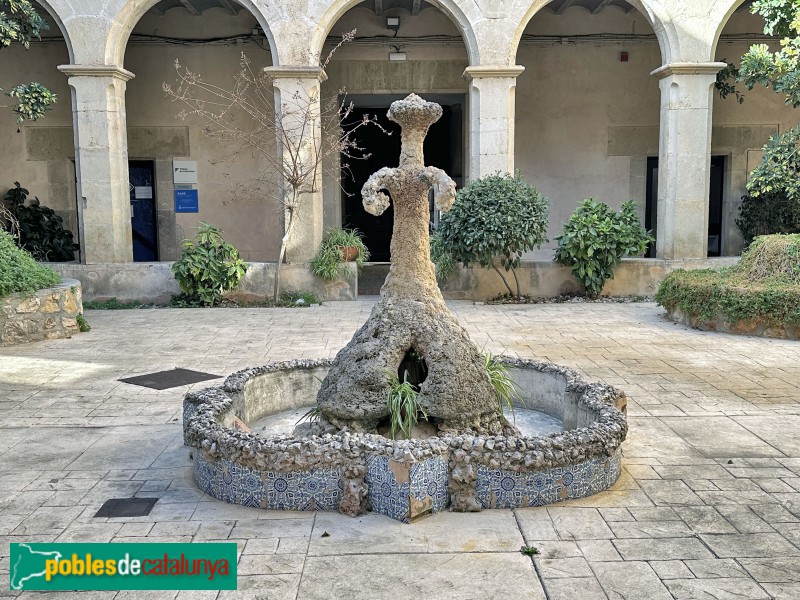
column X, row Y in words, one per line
column 385, row 494
column 389, row 497
column 498, row 488
column 320, row 489
column 429, row 478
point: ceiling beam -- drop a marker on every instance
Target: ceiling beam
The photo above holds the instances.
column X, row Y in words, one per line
column 415, row 8
column 379, row 7
column 187, row 4
column 226, row 4
column 601, row 6
column 564, row 6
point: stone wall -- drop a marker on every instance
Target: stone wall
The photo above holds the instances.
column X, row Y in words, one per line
column 155, row 282
column 48, row 314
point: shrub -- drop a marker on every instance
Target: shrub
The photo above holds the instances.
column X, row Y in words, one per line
column 765, row 285
column 209, row 266
column 330, row 255
column 596, row 238
column 19, row 272
column 441, row 257
column 495, row 219
column 767, row 214
column 41, row 231
column 779, row 170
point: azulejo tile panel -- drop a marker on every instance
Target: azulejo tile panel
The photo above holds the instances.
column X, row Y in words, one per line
column 499, row 488
column 319, row 489
column 403, row 491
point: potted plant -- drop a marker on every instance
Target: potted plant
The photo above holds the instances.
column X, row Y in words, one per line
column 338, row 245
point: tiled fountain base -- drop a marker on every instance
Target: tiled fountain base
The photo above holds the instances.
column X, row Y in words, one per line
column 402, row 479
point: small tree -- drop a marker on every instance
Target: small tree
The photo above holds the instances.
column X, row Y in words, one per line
column 494, row 221
column 596, row 238
column 19, row 22
column 243, row 118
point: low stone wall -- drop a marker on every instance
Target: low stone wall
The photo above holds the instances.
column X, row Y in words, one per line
column 756, row 327
column 545, row 279
column 403, row 479
column 47, row 314
column 155, row 282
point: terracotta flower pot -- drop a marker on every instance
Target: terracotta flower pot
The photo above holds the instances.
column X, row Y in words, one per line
column 350, row 253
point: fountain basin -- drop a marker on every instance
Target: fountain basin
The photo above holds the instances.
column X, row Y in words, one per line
column 403, row 479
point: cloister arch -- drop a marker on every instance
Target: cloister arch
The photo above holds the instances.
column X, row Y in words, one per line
column 651, row 10
column 334, row 11
column 133, row 10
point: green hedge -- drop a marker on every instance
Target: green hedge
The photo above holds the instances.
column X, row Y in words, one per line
column 764, row 286
column 19, row 272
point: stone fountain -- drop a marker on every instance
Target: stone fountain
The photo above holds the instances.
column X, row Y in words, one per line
column 247, row 451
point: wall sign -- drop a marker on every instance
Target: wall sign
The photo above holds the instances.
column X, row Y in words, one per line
column 184, row 171
column 187, row 201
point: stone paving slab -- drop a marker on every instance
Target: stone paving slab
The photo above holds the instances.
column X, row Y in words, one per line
column 708, row 505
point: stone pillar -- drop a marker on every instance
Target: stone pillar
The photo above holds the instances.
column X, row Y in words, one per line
column 491, row 118
column 101, row 161
column 684, row 158
column 297, row 99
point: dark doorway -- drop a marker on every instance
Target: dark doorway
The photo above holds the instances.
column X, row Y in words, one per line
column 443, row 149
column 143, row 210
column 715, row 206
column 717, row 179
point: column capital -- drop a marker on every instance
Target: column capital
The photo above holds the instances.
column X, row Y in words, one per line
column 296, row 72
column 688, row 68
column 96, row 71
column 483, row 71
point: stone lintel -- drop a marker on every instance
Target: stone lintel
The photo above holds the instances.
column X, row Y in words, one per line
column 296, row 72
column 96, row 71
column 483, row 71
column 688, row 68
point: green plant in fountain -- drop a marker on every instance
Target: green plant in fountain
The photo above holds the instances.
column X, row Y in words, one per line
column 505, row 389
column 19, row 272
column 404, row 411
column 208, row 267
column 39, row 229
column 596, row 238
column 494, row 221
column 331, row 253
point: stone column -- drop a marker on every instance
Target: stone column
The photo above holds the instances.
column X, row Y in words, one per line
column 684, row 163
column 491, row 118
column 101, row 160
column 297, row 97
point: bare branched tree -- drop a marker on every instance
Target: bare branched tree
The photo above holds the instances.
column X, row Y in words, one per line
column 309, row 131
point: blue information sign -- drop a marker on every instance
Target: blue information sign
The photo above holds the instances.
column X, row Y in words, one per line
column 186, row 201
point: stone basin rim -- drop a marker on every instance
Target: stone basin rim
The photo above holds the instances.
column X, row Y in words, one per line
column 205, row 431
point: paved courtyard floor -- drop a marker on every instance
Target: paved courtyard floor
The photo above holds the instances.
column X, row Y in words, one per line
column 708, row 505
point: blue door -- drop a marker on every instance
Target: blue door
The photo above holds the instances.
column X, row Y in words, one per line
column 143, row 210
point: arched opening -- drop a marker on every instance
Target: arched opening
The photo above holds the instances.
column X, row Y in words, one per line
column 41, row 156
column 587, row 108
column 401, row 46
column 740, row 131
column 180, row 176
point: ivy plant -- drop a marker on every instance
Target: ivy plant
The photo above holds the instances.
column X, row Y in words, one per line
column 494, row 221
column 41, row 231
column 20, row 23
column 596, row 238
column 208, row 267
